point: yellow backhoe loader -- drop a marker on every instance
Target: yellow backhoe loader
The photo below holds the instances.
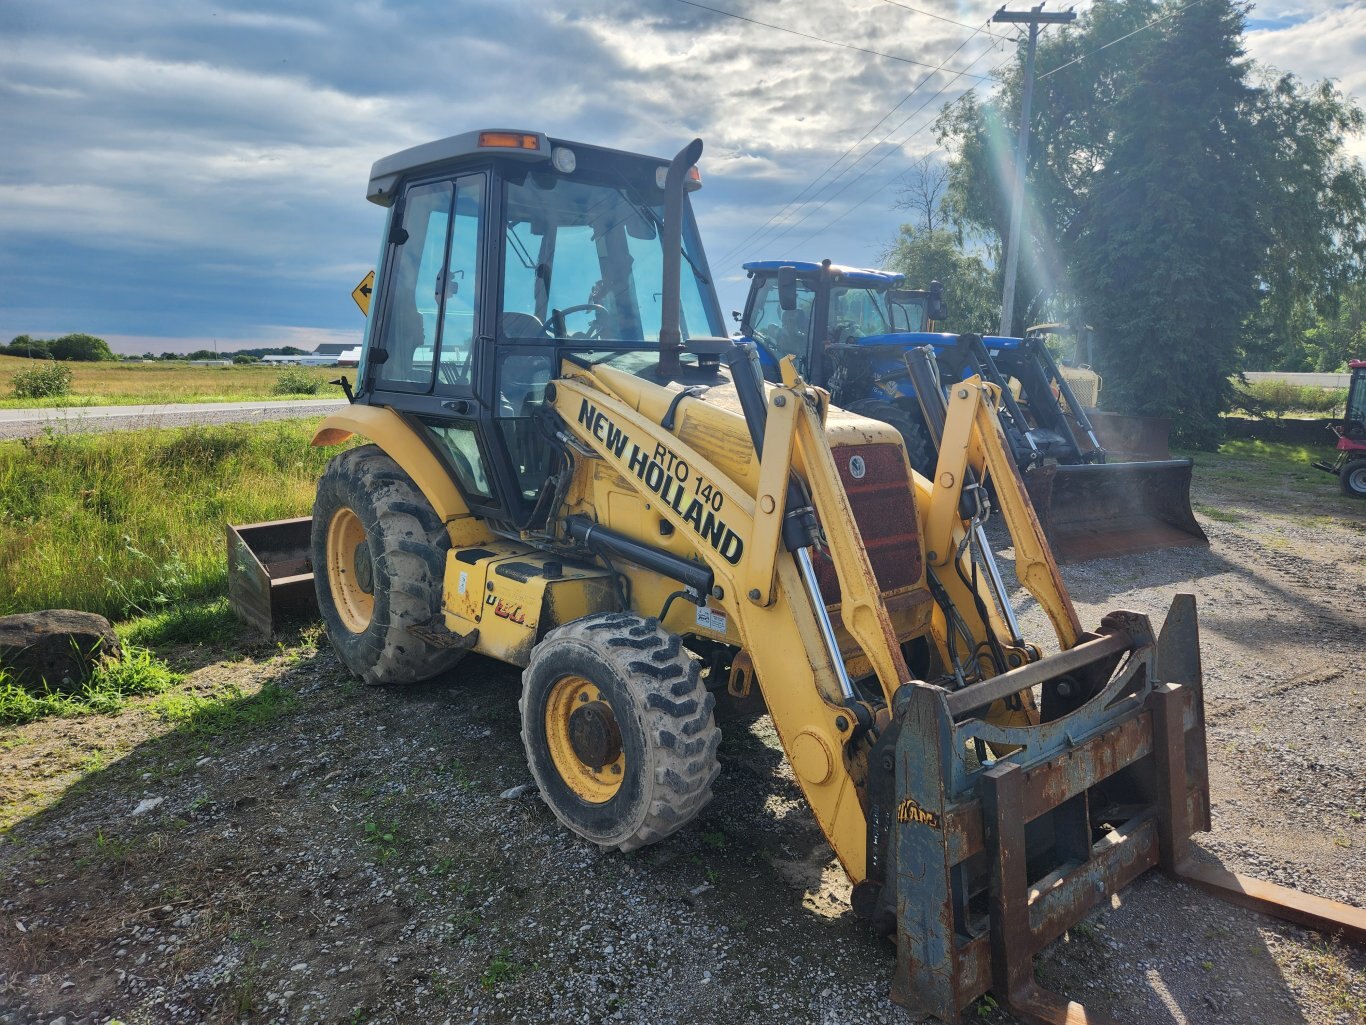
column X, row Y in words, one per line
column 569, row 470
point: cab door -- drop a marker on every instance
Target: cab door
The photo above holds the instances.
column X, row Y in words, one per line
column 423, row 339
column 422, row 356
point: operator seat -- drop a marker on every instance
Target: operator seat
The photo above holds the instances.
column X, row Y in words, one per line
column 792, row 336
column 516, row 324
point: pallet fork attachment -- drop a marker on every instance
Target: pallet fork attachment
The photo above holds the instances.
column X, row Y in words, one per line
column 983, row 863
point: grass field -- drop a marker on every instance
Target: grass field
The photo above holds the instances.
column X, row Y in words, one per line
column 124, row 384
column 130, row 523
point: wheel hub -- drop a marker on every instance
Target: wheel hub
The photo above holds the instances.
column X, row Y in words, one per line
column 594, row 735
column 364, row 568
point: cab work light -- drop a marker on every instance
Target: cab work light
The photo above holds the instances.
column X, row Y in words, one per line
column 508, row 140
column 692, row 183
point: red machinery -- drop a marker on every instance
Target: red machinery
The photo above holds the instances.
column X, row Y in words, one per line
column 1350, row 466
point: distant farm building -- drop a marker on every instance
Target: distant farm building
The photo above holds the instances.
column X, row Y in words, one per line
column 328, row 354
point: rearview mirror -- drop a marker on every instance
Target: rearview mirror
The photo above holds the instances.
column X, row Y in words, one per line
column 787, row 288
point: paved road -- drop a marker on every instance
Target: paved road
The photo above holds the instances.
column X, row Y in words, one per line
column 25, row 423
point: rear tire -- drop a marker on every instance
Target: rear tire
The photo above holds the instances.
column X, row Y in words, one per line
column 1353, row 478
column 618, row 729
column 379, row 557
column 918, row 448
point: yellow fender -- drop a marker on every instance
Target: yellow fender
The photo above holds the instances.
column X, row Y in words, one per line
column 401, row 443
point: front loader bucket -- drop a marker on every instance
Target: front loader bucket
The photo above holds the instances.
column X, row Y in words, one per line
column 270, row 572
column 1132, row 437
column 1097, row 510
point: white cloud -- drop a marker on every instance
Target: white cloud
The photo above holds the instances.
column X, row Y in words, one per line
column 1331, row 44
column 229, row 147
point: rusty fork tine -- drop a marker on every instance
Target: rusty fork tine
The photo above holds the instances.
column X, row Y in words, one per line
column 1037, row 1006
column 1326, row 916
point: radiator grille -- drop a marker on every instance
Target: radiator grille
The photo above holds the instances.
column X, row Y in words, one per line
column 884, row 509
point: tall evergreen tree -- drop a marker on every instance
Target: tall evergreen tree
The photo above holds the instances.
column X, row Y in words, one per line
column 1170, row 254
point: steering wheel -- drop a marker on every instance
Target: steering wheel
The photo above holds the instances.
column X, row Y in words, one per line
column 555, row 326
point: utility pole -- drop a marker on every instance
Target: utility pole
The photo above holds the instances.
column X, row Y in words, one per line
column 1033, row 18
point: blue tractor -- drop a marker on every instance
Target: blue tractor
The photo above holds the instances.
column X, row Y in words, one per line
column 851, row 330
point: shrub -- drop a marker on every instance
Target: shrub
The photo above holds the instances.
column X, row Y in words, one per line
column 1276, row 398
column 43, row 381
column 294, row 381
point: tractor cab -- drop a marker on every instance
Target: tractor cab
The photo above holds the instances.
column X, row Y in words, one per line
column 806, row 309
column 507, row 253
column 1354, row 420
column 1350, row 466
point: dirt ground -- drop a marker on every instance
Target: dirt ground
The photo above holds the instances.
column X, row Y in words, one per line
column 302, row 850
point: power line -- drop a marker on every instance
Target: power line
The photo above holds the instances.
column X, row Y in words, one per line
column 1112, row 42
column 895, row 148
column 938, row 17
column 795, row 200
column 807, row 35
column 890, row 181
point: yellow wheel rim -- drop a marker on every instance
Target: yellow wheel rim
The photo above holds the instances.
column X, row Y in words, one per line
column 576, row 742
column 352, row 585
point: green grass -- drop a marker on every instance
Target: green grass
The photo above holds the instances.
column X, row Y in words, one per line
column 1261, row 463
column 131, row 523
column 205, row 622
column 229, row 710
column 1215, row 513
column 122, row 384
column 111, row 683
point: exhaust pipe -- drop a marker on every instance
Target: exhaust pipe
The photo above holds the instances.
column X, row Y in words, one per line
column 670, row 332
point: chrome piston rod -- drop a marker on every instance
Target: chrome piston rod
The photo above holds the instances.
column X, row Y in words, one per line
column 998, row 587
column 832, row 647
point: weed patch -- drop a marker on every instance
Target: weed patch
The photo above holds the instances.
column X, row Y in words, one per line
column 118, row 384
column 297, row 381
column 500, row 970
column 1277, row 398
column 111, row 683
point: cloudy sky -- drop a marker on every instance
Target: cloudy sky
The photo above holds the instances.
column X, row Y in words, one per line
column 178, row 174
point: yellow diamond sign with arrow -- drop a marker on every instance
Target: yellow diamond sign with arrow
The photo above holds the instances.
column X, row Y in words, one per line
column 361, row 293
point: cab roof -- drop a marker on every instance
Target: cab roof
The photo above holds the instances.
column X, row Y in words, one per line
column 848, row 275
column 508, row 143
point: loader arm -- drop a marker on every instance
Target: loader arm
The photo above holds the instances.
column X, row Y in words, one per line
column 760, row 580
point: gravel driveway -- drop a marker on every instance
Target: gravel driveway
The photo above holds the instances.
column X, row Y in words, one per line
column 311, row 851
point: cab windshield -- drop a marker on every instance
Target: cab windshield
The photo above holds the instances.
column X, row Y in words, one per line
column 854, row 313
column 857, row 313
column 584, row 260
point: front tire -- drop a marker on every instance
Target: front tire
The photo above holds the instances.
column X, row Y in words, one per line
column 1353, row 478
column 618, row 730
column 379, row 556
